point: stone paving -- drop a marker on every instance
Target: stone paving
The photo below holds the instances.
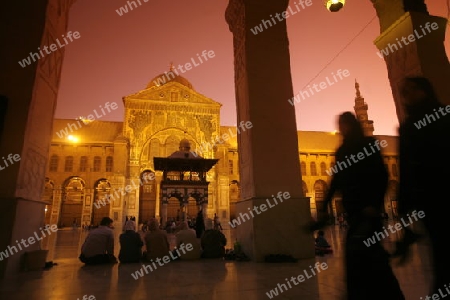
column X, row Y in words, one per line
column 204, row 279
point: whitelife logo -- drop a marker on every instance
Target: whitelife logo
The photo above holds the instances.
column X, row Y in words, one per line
column 398, row 226
column 342, row 165
column 31, row 240
column 123, row 191
column 53, row 47
column 391, row 48
column 124, row 9
column 281, row 16
column 161, row 261
column 75, row 126
column 315, row 88
column 188, row 66
column 207, row 146
column 430, row 118
column 262, row 207
column 297, row 280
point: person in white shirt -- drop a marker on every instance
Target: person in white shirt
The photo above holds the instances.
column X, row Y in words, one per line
column 98, row 248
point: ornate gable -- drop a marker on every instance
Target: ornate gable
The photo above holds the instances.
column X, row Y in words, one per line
column 172, row 92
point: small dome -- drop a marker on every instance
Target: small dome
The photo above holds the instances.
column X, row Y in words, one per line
column 185, row 145
column 184, row 154
column 185, row 151
column 171, row 75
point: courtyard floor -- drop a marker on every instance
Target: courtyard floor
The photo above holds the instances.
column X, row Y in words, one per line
column 203, row 279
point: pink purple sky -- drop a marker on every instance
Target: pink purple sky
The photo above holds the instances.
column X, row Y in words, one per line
column 118, row 55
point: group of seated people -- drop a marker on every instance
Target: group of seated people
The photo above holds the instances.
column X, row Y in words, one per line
column 98, row 247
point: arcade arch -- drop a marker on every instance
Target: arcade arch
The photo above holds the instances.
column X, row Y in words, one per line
column 73, row 193
column 102, row 190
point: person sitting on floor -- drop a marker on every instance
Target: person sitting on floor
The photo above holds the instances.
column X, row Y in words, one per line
column 188, row 236
column 156, row 242
column 213, row 243
column 321, row 244
column 98, row 248
column 130, row 244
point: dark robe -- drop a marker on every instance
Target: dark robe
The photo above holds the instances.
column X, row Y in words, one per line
column 424, row 172
column 363, row 185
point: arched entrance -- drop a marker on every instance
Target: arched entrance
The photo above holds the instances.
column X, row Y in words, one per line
column 147, row 196
column 234, row 197
column 101, row 194
column 391, row 204
column 174, row 207
column 320, row 191
column 72, row 201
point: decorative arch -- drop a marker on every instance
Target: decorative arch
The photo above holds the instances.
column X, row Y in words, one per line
column 303, row 168
column 73, row 193
column 102, row 190
column 175, row 202
column 320, row 191
column 323, row 169
column 313, row 168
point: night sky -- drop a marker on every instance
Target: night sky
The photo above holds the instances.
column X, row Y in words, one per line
column 118, row 55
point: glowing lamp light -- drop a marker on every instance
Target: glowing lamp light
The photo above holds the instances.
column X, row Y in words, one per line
column 72, row 138
column 334, row 5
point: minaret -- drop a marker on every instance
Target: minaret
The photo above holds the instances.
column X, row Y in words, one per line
column 361, row 112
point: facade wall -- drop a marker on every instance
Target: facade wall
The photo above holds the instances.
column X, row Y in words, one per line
column 156, row 120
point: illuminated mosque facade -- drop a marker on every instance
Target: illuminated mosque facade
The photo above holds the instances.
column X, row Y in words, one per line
column 102, row 168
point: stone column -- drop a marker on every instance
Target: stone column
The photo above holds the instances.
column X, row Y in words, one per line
column 268, row 152
column 158, row 178
column 31, row 94
column 56, row 206
column 164, row 202
column 423, row 55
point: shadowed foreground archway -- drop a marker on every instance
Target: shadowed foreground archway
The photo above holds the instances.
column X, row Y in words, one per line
column 32, row 93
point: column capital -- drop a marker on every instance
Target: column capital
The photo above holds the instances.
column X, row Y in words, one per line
column 389, row 11
column 245, row 14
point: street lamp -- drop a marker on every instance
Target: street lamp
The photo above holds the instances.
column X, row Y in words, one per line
column 72, row 138
column 334, row 5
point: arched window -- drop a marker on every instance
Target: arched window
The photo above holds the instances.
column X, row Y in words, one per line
column 323, row 169
column 68, row 166
column 97, row 163
column 303, row 168
column 109, row 164
column 54, row 163
column 83, row 163
column 313, row 169
column 320, row 189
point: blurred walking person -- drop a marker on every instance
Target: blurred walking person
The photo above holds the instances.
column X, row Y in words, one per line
column 423, row 135
column 362, row 185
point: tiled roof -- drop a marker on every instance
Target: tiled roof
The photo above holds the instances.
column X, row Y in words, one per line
column 94, row 132
column 318, row 141
column 107, row 132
